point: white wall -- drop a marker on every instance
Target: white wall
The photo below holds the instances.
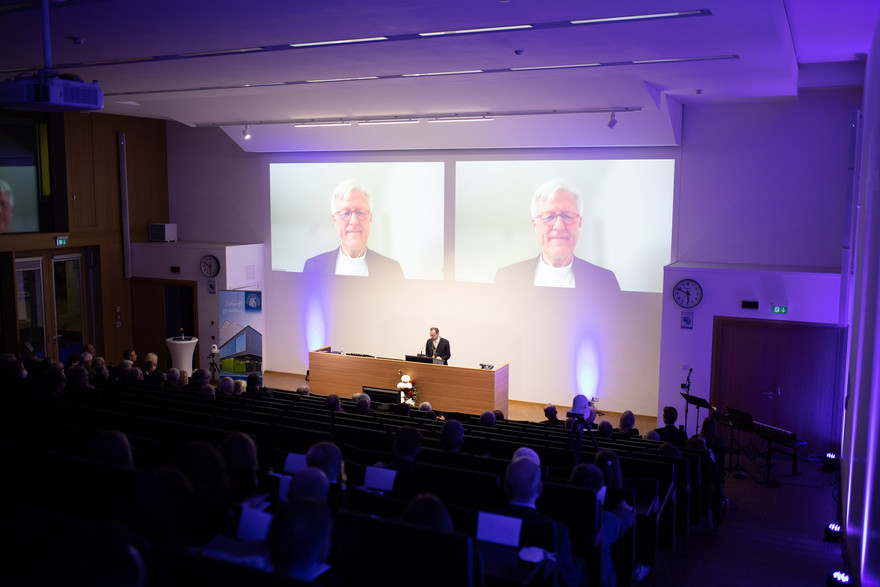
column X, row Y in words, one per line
column 759, row 184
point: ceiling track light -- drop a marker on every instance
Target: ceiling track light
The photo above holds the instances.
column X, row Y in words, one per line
column 246, row 133
column 613, row 121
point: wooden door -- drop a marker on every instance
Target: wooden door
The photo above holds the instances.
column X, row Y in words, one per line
column 785, row 374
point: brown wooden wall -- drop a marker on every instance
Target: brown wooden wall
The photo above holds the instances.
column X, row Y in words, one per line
column 89, row 156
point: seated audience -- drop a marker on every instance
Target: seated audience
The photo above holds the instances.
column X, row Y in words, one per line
column 669, row 450
column 363, row 405
column 333, row 404
column 52, row 382
column 605, row 429
column 299, row 540
column 670, row 432
column 111, row 449
column 406, row 446
column 525, row 452
column 239, row 454
column 426, row 509
column 238, row 387
column 626, row 427
column 225, row 385
column 309, row 483
column 303, row 390
column 155, row 378
column 198, row 378
column 129, row 355
column 652, row 435
column 208, row 389
column 327, row 457
column 172, row 378
column 522, row 482
column 487, row 419
column 551, row 417
column 499, row 415
column 452, row 436
column 78, row 378
column 425, row 407
column 254, row 388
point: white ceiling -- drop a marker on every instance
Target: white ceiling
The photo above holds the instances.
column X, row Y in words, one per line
column 736, row 50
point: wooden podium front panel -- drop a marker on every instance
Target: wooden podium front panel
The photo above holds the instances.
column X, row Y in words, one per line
column 447, row 388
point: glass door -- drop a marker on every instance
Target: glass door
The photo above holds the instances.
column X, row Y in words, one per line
column 29, row 307
column 68, row 300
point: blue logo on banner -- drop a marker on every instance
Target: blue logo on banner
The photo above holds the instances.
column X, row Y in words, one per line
column 253, row 301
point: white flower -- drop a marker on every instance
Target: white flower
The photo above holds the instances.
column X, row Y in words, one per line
column 406, row 378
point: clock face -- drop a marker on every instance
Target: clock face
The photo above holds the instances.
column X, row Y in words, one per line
column 687, row 293
column 210, row 266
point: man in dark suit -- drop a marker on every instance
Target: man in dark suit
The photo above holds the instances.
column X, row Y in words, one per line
column 522, row 482
column 670, row 433
column 436, row 347
column 351, row 212
column 556, row 210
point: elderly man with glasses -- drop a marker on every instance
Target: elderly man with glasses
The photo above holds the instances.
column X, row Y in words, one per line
column 351, row 212
column 556, row 217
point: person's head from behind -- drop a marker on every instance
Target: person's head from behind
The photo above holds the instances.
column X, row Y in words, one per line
column 78, row 376
column 627, row 421
column 605, row 429
column 202, row 465
column 7, row 206
column 525, row 452
column 652, row 435
column 172, row 377
column 425, row 407
column 299, row 539
column 426, row 509
column 225, row 386
column 129, row 355
column 487, row 418
column 522, row 481
column 669, row 450
column 670, row 415
column 208, row 389
column 327, row 457
column 588, row 476
column 407, row 443
column 351, row 209
column 333, row 403
column 151, row 358
column 239, row 451
column 253, row 382
column 238, row 387
column 709, row 429
column 199, row 378
column 609, row 464
column 111, row 449
column 550, row 412
column 452, row 436
column 556, row 210
column 309, row 483
column 52, row 381
column 363, row 404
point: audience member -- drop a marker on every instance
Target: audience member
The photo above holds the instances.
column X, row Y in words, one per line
column 111, row 449
column 134, row 375
column 487, row 419
column 152, row 359
column 327, row 457
column 426, row 509
column 499, row 415
column 669, row 450
column 333, row 404
column 239, row 454
column 652, row 435
column 148, row 367
column 525, row 452
column 97, row 555
column 225, row 386
column 198, row 378
column 626, row 427
column 425, row 407
column 551, row 417
column 52, row 382
column 363, row 405
column 208, row 389
column 452, row 436
column 78, row 378
column 238, row 387
column 303, row 390
column 299, row 540
column 254, row 387
column 605, row 429
column 670, row 432
column 129, row 355
column 172, row 378
column 406, row 447
column 522, row 482
column 309, row 483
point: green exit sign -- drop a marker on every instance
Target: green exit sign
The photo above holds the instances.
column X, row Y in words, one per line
column 60, row 241
column 780, row 309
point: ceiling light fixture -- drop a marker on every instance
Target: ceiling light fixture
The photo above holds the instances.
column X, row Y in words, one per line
column 493, row 29
column 613, row 122
column 642, row 17
column 339, row 42
column 246, row 133
column 442, row 73
column 390, row 121
column 536, row 67
column 322, row 123
column 462, row 119
column 341, row 79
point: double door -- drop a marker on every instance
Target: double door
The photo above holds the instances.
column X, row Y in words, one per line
column 785, row 374
column 51, row 304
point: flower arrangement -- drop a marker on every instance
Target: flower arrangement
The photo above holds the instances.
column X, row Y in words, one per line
column 408, row 388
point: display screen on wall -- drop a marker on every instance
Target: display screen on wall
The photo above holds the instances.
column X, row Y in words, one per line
column 523, row 219
column 20, row 179
column 390, row 211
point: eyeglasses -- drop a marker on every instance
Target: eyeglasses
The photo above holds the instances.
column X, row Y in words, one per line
column 360, row 213
column 567, row 218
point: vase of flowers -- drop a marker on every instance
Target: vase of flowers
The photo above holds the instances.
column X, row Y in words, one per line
column 408, row 388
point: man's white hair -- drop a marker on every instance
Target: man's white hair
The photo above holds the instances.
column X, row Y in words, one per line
column 547, row 191
column 343, row 190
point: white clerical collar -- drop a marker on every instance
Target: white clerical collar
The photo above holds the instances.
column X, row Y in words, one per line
column 550, row 276
column 347, row 266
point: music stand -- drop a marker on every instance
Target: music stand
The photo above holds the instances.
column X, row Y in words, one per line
column 699, row 403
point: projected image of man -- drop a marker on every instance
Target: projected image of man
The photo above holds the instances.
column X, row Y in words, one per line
column 7, row 206
column 556, row 212
column 351, row 210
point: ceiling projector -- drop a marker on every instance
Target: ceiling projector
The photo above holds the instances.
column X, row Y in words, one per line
column 46, row 91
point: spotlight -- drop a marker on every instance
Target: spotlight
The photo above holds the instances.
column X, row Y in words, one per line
column 831, row 462
column 246, row 133
column 613, row 122
column 838, row 578
column 833, row 532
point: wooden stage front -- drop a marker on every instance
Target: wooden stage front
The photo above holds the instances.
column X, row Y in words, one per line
column 445, row 387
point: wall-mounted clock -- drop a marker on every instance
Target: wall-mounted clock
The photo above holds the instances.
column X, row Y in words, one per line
column 687, row 293
column 210, row 266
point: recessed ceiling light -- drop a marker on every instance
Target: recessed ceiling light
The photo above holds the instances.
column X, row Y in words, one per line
column 339, row 42
column 480, row 30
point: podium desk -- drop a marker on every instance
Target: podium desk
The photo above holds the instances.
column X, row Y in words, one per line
column 445, row 387
column 182, row 352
